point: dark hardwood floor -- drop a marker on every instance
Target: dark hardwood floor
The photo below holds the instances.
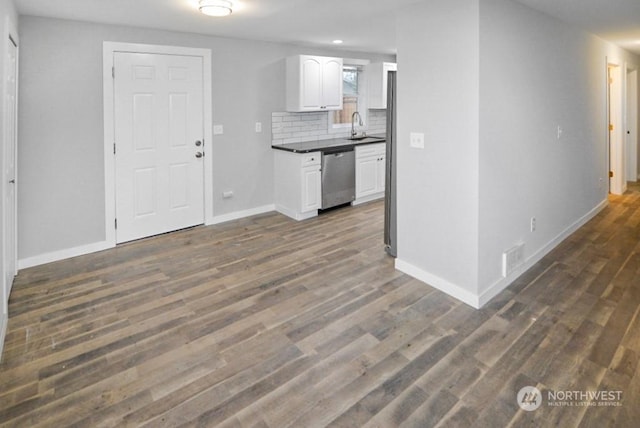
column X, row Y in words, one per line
column 267, row 322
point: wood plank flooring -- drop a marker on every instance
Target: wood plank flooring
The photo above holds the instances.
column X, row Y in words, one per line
column 267, row 322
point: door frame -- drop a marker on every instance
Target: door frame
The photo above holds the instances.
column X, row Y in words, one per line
column 631, row 124
column 9, row 35
column 108, row 51
column 616, row 106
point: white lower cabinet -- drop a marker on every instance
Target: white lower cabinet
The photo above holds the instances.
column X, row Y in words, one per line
column 298, row 184
column 370, row 172
column 311, row 185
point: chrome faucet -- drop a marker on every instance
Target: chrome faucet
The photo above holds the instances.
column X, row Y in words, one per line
column 353, row 123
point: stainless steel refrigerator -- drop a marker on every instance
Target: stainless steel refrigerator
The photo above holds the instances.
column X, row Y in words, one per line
column 390, row 230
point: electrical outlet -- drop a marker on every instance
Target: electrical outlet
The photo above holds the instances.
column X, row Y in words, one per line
column 416, row 140
column 218, row 130
column 559, row 131
column 258, row 127
column 533, row 224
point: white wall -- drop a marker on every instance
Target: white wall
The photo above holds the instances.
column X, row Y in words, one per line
column 538, row 73
column 7, row 12
column 437, row 201
column 491, row 105
column 61, row 200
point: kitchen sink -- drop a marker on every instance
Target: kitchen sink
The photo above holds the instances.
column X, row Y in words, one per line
column 368, row 138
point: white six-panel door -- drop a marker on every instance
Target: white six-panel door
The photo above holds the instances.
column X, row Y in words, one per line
column 159, row 157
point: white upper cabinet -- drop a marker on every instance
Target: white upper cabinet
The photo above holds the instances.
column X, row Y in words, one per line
column 314, row 83
column 377, row 76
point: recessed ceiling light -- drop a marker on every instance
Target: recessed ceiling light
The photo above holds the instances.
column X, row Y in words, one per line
column 216, row 7
column 337, row 42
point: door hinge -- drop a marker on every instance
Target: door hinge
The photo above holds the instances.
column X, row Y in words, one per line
column 115, row 223
column 113, row 72
column 610, row 174
column 114, row 148
column 610, row 127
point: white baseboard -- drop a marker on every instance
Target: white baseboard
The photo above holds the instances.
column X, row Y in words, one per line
column 367, row 199
column 503, row 283
column 478, row 301
column 240, row 214
column 63, row 254
column 441, row 284
column 296, row 215
column 104, row 245
column 3, row 330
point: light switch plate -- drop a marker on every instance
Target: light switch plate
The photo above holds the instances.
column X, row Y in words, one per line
column 218, row 130
column 416, row 140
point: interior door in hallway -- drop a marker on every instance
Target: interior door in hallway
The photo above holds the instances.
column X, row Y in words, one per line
column 617, row 174
column 9, row 167
column 158, row 143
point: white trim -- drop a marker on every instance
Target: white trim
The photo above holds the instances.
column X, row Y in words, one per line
column 617, row 163
column 503, row 283
column 478, row 301
column 10, row 32
column 368, row 198
column 241, row 214
column 363, row 102
column 294, row 214
column 63, row 254
column 4, row 321
column 441, row 284
column 105, row 245
column 108, row 50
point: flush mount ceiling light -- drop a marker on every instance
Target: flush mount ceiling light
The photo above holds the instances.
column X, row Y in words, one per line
column 215, row 7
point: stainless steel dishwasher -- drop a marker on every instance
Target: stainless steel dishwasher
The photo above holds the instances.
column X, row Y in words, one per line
column 338, row 177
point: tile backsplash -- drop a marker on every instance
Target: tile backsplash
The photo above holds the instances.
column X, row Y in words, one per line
column 287, row 127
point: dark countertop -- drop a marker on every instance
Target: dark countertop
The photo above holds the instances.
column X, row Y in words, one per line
column 335, row 143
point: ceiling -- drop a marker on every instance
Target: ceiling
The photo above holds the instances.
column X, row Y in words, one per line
column 364, row 25
column 615, row 20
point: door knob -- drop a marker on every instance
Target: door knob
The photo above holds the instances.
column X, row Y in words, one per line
column 198, row 143
column 199, row 155
column 12, row 181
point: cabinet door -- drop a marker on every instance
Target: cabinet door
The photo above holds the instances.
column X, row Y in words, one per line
column 332, row 84
column 381, row 173
column 311, row 83
column 386, row 68
column 366, row 176
column 311, row 186
column 377, row 75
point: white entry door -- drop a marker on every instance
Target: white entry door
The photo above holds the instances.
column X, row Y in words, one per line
column 158, row 143
column 9, row 167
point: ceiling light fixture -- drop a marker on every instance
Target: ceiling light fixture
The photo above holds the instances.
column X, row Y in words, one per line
column 216, row 7
column 337, row 42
